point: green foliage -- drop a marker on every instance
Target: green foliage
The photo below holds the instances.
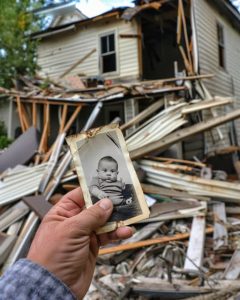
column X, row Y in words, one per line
column 17, row 50
column 4, row 140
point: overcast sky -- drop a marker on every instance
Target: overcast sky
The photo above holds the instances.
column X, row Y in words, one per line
column 92, row 8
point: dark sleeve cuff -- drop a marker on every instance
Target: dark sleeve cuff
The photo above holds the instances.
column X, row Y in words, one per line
column 27, row 280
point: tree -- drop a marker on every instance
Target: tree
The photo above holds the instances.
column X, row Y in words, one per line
column 18, row 54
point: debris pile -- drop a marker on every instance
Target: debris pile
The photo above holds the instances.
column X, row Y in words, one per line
column 189, row 247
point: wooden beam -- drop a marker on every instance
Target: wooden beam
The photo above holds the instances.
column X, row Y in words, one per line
column 64, row 129
column 220, row 236
column 26, row 119
column 179, row 24
column 144, row 114
column 72, row 119
column 41, row 147
column 46, row 121
column 63, row 117
column 194, row 258
column 206, row 104
column 77, row 63
column 186, row 36
column 45, row 100
column 129, row 36
column 34, row 114
column 182, row 134
column 185, row 59
column 154, row 241
column 176, row 160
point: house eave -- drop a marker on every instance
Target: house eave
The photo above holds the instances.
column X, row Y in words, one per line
column 227, row 10
column 54, row 32
column 115, row 13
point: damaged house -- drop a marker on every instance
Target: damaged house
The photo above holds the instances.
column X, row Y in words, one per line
column 170, row 71
column 151, row 41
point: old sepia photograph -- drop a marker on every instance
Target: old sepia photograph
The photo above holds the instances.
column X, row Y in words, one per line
column 105, row 170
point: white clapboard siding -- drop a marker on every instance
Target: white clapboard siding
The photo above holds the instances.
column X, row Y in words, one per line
column 57, row 53
column 130, row 111
column 225, row 83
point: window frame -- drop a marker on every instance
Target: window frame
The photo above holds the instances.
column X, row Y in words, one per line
column 100, row 36
column 221, row 46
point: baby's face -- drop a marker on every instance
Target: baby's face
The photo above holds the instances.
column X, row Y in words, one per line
column 108, row 171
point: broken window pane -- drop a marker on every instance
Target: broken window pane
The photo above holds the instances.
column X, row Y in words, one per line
column 109, row 63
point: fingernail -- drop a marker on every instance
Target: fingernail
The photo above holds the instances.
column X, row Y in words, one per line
column 105, row 204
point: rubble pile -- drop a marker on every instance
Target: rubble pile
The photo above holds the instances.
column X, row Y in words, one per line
column 189, row 247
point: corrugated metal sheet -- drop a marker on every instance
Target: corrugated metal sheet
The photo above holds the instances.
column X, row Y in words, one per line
column 59, row 52
column 225, row 83
column 25, row 181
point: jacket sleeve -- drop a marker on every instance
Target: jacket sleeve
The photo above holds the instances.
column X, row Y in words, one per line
column 27, row 280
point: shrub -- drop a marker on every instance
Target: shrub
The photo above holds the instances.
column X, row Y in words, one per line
column 4, row 140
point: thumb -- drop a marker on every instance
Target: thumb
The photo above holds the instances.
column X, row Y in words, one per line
column 94, row 217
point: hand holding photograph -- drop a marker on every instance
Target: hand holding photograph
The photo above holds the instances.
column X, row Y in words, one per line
column 105, row 170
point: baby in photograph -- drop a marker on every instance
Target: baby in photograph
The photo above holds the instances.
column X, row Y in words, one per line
column 106, row 184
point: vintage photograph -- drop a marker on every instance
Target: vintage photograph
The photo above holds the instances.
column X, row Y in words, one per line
column 105, row 170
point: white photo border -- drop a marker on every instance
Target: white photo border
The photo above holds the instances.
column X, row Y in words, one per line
column 72, row 142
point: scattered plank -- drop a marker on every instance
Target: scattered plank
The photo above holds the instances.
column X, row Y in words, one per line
column 160, row 240
column 182, row 134
column 232, row 271
column 194, row 257
column 220, row 236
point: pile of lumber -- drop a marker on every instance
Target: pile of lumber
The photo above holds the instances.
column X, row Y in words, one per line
column 189, row 247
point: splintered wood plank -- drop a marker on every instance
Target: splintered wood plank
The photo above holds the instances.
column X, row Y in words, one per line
column 78, row 63
column 220, row 236
column 63, row 117
column 25, row 116
column 144, row 114
column 154, row 241
column 65, row 128
column 195, row 250
column 34, row 114
column 179, row 23
column 186, row 35
column 72, row 119
column 42, row 145
column 182, row 134
column 232, row 271
column 46, row 126
column 20, row 114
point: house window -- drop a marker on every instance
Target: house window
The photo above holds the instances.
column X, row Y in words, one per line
column 221, row 46
column 108, row 53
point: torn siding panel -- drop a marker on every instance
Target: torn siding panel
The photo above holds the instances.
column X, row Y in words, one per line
column 225, row 82
column 59, row 52
column 128, row 49
column 208, row 47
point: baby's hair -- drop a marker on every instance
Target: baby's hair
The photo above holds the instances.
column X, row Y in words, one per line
column 109, row 159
